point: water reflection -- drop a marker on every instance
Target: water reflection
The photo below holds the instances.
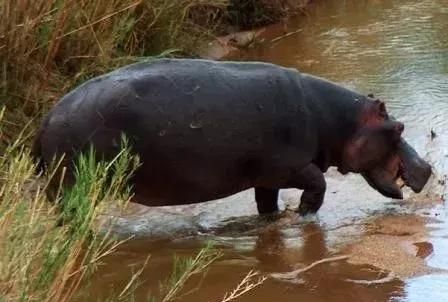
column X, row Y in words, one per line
column 396, row 49
column 326, row 282
column 271, row 253
column 426, row 288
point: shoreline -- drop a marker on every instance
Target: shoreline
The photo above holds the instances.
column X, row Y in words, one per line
column 226, row 45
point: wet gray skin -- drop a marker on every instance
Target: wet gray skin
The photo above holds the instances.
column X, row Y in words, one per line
column 396, row 49
column 408, row 165
column 414, row 170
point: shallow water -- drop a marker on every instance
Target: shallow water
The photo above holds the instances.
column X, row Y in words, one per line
column 396, row 49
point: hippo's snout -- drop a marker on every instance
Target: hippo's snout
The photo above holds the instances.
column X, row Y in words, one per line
column 414, row 170
column 416, row 174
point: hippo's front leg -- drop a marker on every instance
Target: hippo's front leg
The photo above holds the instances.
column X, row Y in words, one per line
column 312, row 181
column 266, row 200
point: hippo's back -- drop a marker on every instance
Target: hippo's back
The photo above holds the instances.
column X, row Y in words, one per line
column 196, row 124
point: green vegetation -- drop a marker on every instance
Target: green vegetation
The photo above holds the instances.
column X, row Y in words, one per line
column 49, row 46
column 46, row 48
column 44, row 260
column 249, row 13
column 40, row 261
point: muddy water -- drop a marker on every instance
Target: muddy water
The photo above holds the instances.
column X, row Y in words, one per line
column 397, row 250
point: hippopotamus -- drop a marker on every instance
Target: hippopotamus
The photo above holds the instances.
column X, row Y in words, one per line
column 206, row 129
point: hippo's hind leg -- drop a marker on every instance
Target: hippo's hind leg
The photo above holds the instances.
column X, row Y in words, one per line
column 312, row 181
column 266, row 200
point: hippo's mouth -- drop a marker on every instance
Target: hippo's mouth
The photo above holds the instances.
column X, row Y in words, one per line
column 390, row 179
column 404, row 178
column 401, row 179
column 390, row 188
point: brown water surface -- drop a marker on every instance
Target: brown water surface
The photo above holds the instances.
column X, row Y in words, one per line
column 396, row 49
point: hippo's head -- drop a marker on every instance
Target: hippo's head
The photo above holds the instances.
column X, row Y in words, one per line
column 382, row 156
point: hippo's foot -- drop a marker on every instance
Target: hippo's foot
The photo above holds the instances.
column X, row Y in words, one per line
column 310, row 203
column 307, row 210
column 313, row 183
column 266, row 201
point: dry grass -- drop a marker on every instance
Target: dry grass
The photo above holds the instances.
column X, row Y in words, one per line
column 247, row 284
column 49, row 46
column 40, row 261
column 46, row 48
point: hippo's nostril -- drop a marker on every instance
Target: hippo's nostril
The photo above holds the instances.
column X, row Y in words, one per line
column 399, row 127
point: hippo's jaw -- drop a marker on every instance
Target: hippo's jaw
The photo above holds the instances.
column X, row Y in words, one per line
column 385, row 177
column 386, row 186
column 389, row 182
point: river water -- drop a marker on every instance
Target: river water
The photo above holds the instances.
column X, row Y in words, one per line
column 398, row 250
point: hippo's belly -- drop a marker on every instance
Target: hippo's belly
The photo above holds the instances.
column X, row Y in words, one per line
column 194, row 177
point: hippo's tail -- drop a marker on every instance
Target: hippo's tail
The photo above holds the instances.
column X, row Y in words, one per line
column 36, row 151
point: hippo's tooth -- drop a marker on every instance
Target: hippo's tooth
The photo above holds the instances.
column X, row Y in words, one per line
column 196, row 125
column 400, row 182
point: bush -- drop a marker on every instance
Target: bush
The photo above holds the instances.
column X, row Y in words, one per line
column 42, row 260
column 247, row 14
column 49, row 46
column 46, row 48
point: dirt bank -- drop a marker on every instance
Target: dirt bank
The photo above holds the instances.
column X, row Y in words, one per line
column 397, row 244
column 248, row 22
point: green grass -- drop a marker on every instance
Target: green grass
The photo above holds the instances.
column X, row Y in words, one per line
column 47, row 47
column 39, row 260
column 44, row 260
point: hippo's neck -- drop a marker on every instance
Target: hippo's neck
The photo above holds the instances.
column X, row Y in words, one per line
column 337, row 112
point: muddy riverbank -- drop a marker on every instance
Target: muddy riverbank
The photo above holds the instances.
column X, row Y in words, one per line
column 393, row 250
